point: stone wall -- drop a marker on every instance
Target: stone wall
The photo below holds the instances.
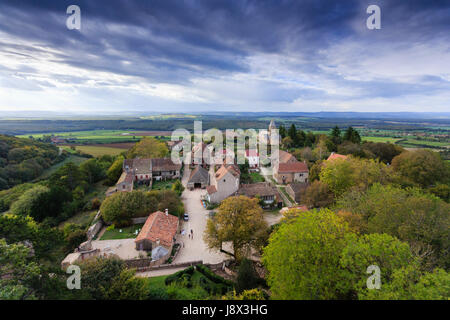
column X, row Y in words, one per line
column 94, row 229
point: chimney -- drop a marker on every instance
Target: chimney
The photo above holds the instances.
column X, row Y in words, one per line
column 167, row 212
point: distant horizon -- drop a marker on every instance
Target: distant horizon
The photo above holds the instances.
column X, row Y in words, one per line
column 49, row 115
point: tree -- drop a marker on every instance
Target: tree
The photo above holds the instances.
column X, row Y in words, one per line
column 122, row 206
column 282, row 131
column 302, row 258
column 239, row 220
column 28, row 202
column 423, row 167
column 336, row 135
column 341, row 175
column 18, row 272
column 382, row 250
column 287, row 142
column 409, row 283
column 292, row 132
column 98, row 276
column 115, row 170
column 352, row 135
column 247, row 277
column 41, row 202
column 69, row 177
column 148, row 147
column 178, row 187
column 93, row 170
column 317, row 195
column 419, row 219
column 126, row 286
column 385, row 152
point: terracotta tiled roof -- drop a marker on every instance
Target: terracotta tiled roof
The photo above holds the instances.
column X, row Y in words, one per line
column 336, row 156
column 211, row 189
column 284, row 157
column 164, row 164
column 231, row 168
column 159, row 226
column 292, row 167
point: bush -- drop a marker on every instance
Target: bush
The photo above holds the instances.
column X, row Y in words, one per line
column 157, row 294
column 247, row 278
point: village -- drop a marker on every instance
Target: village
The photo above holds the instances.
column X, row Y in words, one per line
column 165, row 243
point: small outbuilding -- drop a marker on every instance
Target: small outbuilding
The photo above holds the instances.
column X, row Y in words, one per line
column 199, row 178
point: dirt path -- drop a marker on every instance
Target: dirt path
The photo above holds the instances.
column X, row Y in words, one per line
column 157, row 273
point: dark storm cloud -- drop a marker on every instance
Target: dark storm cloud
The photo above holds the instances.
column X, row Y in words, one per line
column 178, row 41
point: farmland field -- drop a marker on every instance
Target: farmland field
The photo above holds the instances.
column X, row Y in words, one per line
column 98, row 151
column 101, row 136
column 380, row 139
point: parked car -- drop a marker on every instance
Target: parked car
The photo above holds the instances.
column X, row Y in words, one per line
column 186, row 217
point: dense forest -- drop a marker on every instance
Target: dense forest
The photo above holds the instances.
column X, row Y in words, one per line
column 23, row 160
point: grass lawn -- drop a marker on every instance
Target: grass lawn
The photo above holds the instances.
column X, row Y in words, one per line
column 127, row 232
column 163, row 185
column 256, row 177
column 83, row 218
column 98, row 151
column 157, row 282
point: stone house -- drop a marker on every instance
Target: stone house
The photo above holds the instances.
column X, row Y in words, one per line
column 159, row 229
column 125, row 182
column 263, row 190
column 225, row 183
column 286, row 173
column 140, row 168
column 165, row 168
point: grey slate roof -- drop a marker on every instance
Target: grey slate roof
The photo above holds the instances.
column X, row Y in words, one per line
column 199, row 175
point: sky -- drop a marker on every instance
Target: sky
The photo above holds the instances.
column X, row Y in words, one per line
column 137, row 56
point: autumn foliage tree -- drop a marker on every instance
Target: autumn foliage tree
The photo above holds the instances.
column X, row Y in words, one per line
column 148, row 147
column 422, row 167
column 240, row 221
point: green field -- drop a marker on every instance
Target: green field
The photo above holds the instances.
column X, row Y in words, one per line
column 127, row 232
column 94, row 136
column 379, row 139
column 414, row 143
